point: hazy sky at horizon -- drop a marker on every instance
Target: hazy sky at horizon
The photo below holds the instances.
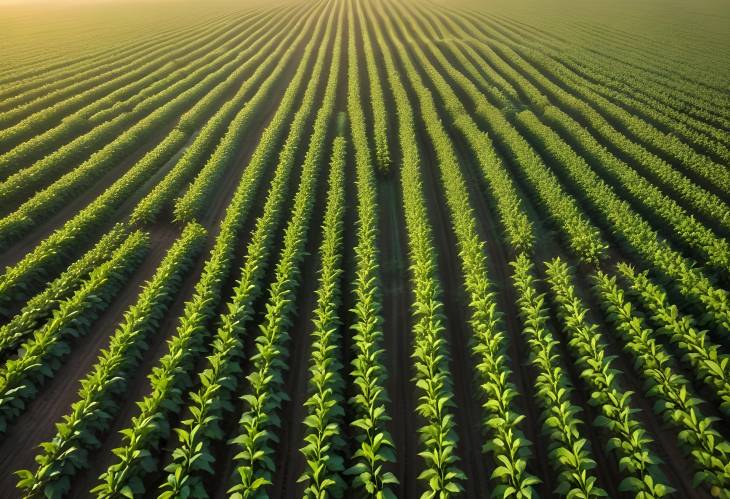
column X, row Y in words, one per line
column 72, row 2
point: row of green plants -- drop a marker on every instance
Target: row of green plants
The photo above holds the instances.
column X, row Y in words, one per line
column 642, row 71
column 517, row 226
column 43, row 353
column 73, row 129
column 56, row 251
column 646, row 196
column 583, row 237
column 38, row 77
column 137, row 86
column 37, row 310
column 506, row 442
column 62, row 246
column 690, row 281
column 209, row 134
column 62, row 69
column 627, row 440
column 215, row 394
column 104, row 145
column 682, row 79
column 323, row 447
column 460, row 48
column 415, row 49
column 596, row 80
column 705, row 203
column 374, row 448
column 636, row 234
column 440, row 475
column 263, row 393
column 709, row 364
column 41, row 77
column 22, row 121
column 91, row 414
column 671, row 391
column 264, row 386
column 41, row 145
column 605, row 71
column 553, row 420
column 193, row 203
column 58, row 101
column 228, row 41
column 22, row 98
column 77, row 181
column 136, row 455
column 690, row 120
column 658, row 171
column 569, row 451
column 700, row 135
column 634, row 127
column 690, row 230
column 380, row 124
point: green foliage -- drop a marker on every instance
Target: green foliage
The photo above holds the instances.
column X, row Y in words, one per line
column 24, row 277
column 709, row 364
column 42, row 354
column 582, row 236
column 161, row 109
column 569, row 450
column 93, row 411
column 375, row 448
column 525, row 65
column 162, row 194
column 430, row 355
column 627, row 438
column 171, row 378
column 213, row 399
column 672, row 392
column 192, row 204
column 323, row 449
column 506, row 442
column 517, row 225
column 264, row 391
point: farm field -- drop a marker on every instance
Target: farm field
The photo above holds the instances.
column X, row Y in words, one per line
column 365, row 248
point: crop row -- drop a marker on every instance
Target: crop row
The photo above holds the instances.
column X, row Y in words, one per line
column 506, row 442
column 41, row 306
column 608, row 77
column 193, row 203
column 135, row 458
column 656, row 169
column 632, row 126
column 691, row 281
column 439, row 438
column 92, row 413
column 42, row 354
column 70, row 185
column 263, row 394
column 210, row 133
column 373, row 448
column 323, row 443
column 75, row 137
column 628, row 440
column 671, row 391
column 103, row 132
